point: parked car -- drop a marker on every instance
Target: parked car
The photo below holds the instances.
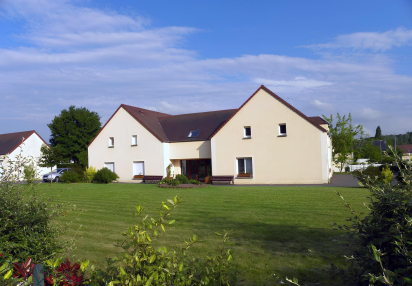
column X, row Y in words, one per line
column 55, row 175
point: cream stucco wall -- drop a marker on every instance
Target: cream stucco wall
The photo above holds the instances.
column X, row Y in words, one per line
column 301, row 157
column 190, row 150
column 149, row 149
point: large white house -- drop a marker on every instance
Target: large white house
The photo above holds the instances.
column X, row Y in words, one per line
column 26, row 143
column 266, row 137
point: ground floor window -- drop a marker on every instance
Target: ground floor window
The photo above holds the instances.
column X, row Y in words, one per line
column 244, row 166
column 138, row 168
column 110, row 166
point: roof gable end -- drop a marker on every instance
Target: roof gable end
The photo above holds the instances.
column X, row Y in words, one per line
column 262, row 87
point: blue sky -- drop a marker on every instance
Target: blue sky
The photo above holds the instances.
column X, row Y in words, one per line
column 189, row 56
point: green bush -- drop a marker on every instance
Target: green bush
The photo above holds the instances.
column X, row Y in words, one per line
column 347, row 169
column 381, row 241
column 104, row 176
column 388, row 160
column 29, row 172
column 89, row 174
column 71, row 177
column 182, row 179
column 25, row 218
column 195, row 182
column 387, row 175
column 143, row 262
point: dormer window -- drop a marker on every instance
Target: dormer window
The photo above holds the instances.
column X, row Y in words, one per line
column 193, row 133
column 282, row 129
column 247, row 132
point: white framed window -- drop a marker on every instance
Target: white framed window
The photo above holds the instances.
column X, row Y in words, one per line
column 282, row 129
column 111, row 141
column 138, row 168
column 244, row 166
column 134, row 140
column 110, row 166
column 193, row 133
column 247, row 132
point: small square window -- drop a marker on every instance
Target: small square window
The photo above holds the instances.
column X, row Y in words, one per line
column 134, row 140
column 111, row 141
column 247, row 132
column 282, row 129
column 193, row 133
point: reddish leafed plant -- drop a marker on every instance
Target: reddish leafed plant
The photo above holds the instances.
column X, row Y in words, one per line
column 23, row 270
column 68, row 275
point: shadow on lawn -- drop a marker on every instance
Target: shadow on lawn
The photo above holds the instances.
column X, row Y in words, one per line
column 264, row 249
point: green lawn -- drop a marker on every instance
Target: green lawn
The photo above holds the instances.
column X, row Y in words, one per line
column 282, row 231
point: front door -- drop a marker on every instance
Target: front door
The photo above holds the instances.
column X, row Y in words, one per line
column 197, row 169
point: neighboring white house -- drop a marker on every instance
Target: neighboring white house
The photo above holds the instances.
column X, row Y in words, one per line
column 265, row 141
column 26, row 142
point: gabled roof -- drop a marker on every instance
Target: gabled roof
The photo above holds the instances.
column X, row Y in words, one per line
column 149, row 119
column 178, row 127
column 10, row 141
column 406, row 148
column 282, row 101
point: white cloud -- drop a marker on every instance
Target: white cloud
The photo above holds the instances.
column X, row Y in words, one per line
column 75, row 55
column 322, row 105
column 375, row 41
column 368, row 113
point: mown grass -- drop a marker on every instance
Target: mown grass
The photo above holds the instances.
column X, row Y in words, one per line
column 277, row 231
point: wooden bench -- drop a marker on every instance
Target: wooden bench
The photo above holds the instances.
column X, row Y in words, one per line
column 222, row 179
column 151, row 178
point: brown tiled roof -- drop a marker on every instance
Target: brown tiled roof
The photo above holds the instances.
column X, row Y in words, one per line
column 178, row 127
column 149, row 119
column 405, row 148
column 10, row 141
column 318, row 120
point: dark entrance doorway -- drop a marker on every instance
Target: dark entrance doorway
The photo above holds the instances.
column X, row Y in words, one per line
column 197, row 169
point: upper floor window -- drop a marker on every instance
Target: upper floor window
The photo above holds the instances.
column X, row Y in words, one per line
column 247, row 132
column 134, row 140
column 282, row 129
column 193, row 133
column 111, row 141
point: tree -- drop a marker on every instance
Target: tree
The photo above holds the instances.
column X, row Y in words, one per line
column 343, row 136
column 372, row 152
column 50, row 157
column 73, row 130
column 378, row 133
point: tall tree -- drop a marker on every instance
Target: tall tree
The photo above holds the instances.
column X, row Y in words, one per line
column 344, row 135
column 73, row 130
column 378, row 133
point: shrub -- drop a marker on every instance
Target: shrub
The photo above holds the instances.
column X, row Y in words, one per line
column 143, row 263
column 89, row 174
column 381, row 241
column 104, row 176
column 347, row 169
column 387, row 175
column 29, row 173
column 388, row 160
column 71, row 177
column 25, row 218
column 195, row 182
column 182, row 179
